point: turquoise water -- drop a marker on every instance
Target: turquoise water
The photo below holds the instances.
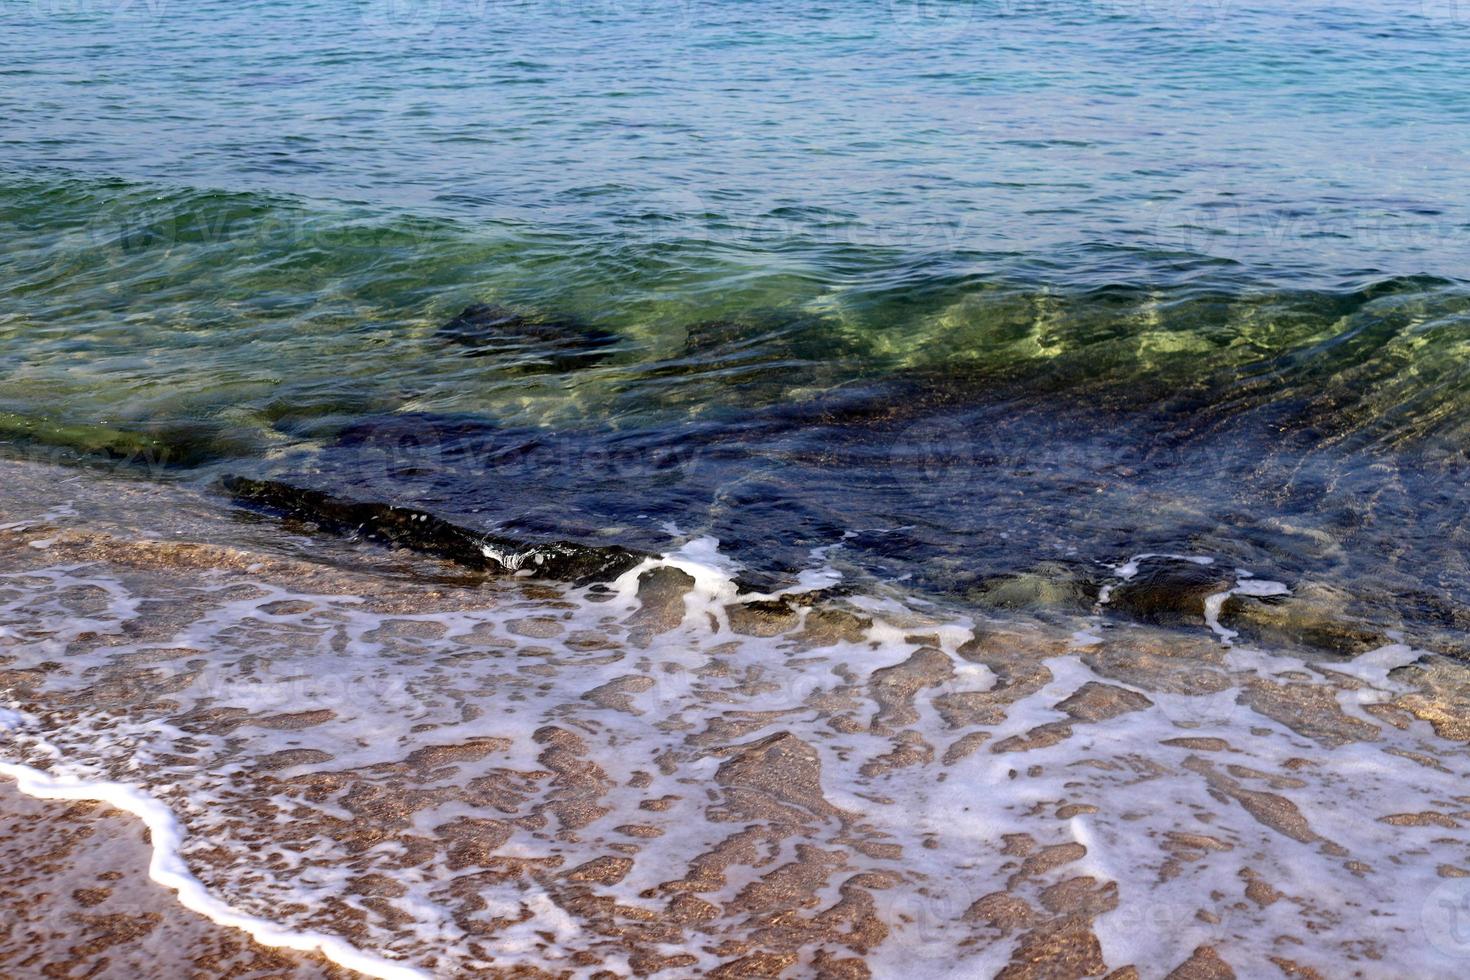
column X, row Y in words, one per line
column 1322, row 139
column 974, row 289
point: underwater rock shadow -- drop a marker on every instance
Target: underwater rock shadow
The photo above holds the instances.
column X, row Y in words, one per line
column 554, row 342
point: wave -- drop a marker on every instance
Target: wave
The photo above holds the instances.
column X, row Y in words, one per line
column 972, row 419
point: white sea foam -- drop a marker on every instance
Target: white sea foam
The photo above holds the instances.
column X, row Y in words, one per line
column 167, row 866
column 1244, row 586
column 282, row 732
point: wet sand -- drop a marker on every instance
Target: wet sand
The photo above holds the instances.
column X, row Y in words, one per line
column 76, row 901
column 505, row 778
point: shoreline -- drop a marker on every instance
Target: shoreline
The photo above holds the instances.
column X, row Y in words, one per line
column 78, row 901
column 501, row 776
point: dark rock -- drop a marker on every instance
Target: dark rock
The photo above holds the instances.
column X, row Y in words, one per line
column 1099, row 702
column 1169, row 592
column 556, row 342
column 765, row 335
column 419, row 531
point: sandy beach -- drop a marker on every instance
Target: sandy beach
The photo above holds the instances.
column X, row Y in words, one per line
column 76, row 902
column 476, row 777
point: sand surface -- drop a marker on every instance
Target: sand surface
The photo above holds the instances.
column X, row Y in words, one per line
column 76, row 901
column 662, row 778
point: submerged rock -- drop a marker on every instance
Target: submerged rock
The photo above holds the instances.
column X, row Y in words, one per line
column 1191, row 665
column 1094, row 701
column 1169, row 592
column 1313, row 615
column 762, row 617
column 419, row 531
column 1051, row 586
column 661, row 594
column 558, row 342
column 776, row 778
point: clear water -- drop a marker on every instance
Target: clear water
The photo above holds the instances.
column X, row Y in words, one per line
column 984, row 285
column 428, row 774
column 1296, row 139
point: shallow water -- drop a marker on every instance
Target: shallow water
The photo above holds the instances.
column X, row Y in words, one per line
column 1033, row 345
column 947, row 428
column 462, row 777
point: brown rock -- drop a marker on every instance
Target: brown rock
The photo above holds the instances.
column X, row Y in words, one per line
column 827, row 627
column 894, row 688
column 1002, row 910
column 775, row 776
column 1048, row 859
column 606, row 870
column 1080, row 896
column 754, row 965
column 1063, row 950
column 661, row 603
column 1099, row 702
column 1203, row 964
column 1314, row 615
column 762, row 617
column 1311, row 710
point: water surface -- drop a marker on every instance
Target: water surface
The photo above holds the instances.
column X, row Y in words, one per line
column 938, row 313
